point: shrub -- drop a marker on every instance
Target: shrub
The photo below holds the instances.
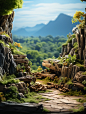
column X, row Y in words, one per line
column 12, row 93
column 39, row 68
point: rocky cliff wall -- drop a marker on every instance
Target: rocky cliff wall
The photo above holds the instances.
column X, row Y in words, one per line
column 6, row 23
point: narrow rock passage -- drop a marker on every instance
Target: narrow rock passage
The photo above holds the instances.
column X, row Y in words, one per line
column 60, row 103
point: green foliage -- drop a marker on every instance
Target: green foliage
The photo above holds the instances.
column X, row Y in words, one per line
column 48, row 79
column 56, row 79
column 38, row 49
column 15, row 52
column 62, row 80
column 84, row 73
column 69, row 39
column 6, row 7
column 4, row 43
column 81, row 100
column 2, row 98
column 39, row 69
column 79, row 110
column 69, row 82
column 71, row 59
column 85, row 87
column 73, row 93
column 67, row 61
column 9, row 81
column 45, row 110
column 13, row 93
column 3, row 33
column 81, row 66
column 84, row 82
column 7, row 77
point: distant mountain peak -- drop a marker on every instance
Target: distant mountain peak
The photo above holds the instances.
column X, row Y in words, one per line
column 62, row 25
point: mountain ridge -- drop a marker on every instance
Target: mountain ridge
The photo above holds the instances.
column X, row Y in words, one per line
column 61, row 26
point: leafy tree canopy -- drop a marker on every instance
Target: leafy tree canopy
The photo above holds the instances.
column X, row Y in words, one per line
column 83, row 0
column 7, row 6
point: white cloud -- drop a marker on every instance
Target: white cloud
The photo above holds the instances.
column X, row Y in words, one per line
column 44, row 12
column 28, row 1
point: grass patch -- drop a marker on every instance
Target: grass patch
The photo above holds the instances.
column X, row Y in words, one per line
column 45, row 110
column 15, row 52
column 84, row 73
column 81, row 109
column 69, row 82
column 68, row 41
column 73, row 93
column 81, row 100
column 81, row 66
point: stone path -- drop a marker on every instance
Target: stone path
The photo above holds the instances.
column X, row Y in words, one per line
column 59, row 103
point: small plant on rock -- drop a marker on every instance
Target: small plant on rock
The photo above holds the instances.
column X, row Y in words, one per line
column 84, row 82
column 2, row 98
column 39, row 69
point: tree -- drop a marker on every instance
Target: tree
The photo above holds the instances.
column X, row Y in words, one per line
column 7, row 6
column 79, row 16
column 83, row 0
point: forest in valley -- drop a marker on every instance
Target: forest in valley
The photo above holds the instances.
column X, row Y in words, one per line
column 39, row 48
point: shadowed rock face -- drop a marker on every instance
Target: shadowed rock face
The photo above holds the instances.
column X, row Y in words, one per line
column 24, row 108
column 6, row 23
column 7, row 63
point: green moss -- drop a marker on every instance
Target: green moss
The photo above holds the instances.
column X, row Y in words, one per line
column 68, row 41
column 78, row 110
column 79, row 61
column 73, row 93
column 15, row 52
column 12, row 93
column 81, row 100
column 75, row 45
column 69, row 82
column 81, row 66
column 83, row 73
column 65, row 44
column 5, row 34
column 45, row 110
column 9, row 81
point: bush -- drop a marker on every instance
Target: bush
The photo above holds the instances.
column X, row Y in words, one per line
column 12, row 93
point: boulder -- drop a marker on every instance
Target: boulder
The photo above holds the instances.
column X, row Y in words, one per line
column 37, row 87
column 79, row 77
column 79, row 86
column 23, row 108
column 26, row 79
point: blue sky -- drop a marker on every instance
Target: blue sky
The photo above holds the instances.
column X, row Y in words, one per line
column 42, row 11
